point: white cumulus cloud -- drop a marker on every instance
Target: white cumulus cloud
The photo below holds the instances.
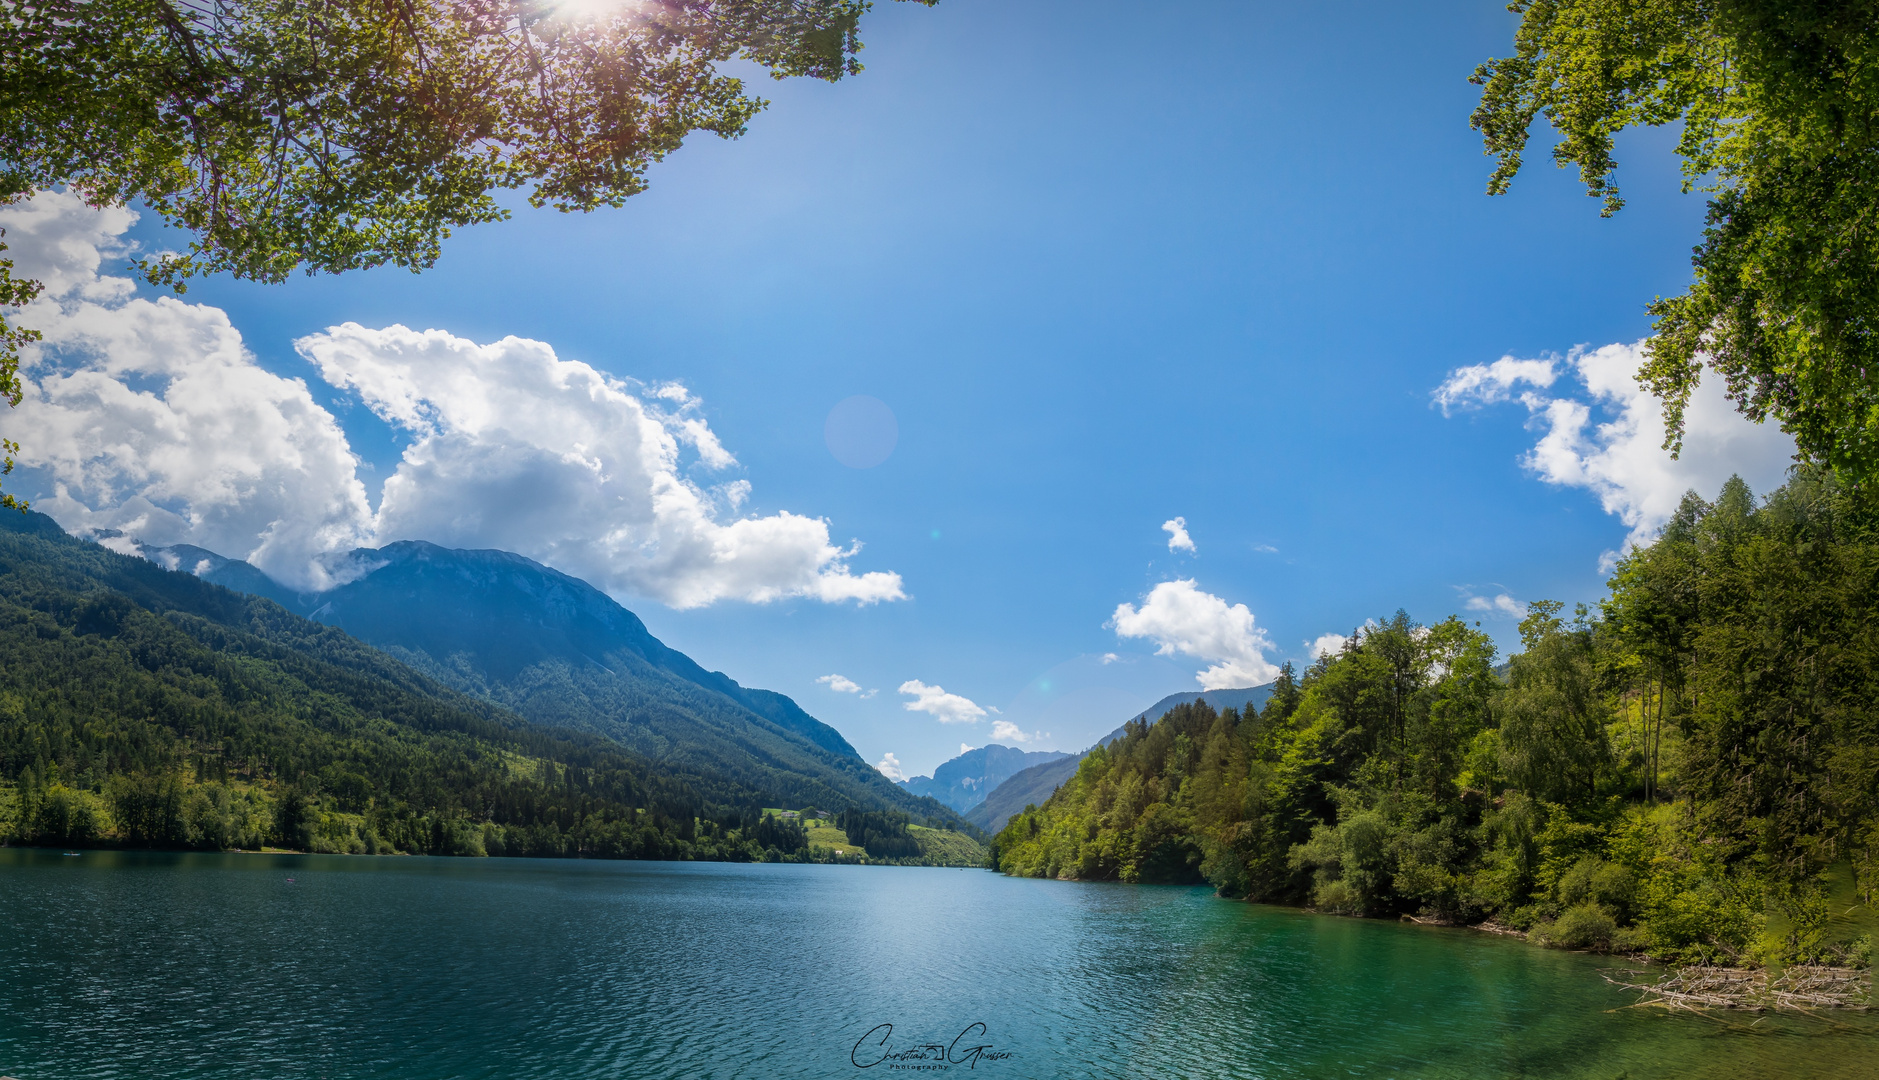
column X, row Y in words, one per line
column 1180, row 618
column 942, row 706
column 153, row 419
column 1178, row 539
column 1498, row 604
column 1486, row 384
column 1327, row 645
column 840, row 684
column 1608, row 436
column 889, row 767
column 1004, row 731
column 518, row 449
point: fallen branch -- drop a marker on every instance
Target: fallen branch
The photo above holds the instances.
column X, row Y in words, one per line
column 1801, row 987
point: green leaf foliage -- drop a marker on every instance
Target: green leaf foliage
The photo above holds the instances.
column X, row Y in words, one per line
column 339, row 134
column 1691, row 771
column 1778, row 107
column 333, row 135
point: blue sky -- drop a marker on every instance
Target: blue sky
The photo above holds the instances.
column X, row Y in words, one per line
column 1107, row 266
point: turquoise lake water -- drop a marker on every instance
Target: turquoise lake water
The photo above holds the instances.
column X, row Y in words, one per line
column 174, row 966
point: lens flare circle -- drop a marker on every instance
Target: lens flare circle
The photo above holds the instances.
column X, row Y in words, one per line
column 861, row 431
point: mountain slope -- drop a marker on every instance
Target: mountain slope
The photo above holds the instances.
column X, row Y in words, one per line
column 1034, row 784
column 560, row 652
column 1220, row 700
column 963, row 782
column 151, row 708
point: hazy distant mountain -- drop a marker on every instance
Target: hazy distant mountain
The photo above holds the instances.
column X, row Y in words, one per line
column 1220, row 699
column 963, row 782
column 1035, row 784
column 559, row 651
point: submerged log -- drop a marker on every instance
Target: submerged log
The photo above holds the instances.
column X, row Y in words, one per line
column 1801, row 987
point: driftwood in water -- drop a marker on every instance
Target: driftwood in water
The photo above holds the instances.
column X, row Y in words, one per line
column 1798, row 987
column 1822, row 988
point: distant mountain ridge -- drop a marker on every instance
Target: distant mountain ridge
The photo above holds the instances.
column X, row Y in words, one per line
column 558, row 651
column 966, row 780
column 1034, row 784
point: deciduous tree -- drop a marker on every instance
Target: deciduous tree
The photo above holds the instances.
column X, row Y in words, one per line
column 1778, row 102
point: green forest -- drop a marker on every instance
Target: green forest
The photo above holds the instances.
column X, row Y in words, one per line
column 1689, row 771
column 145, row 708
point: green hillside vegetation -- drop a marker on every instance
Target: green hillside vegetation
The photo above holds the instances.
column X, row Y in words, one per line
column 945, row 847
column 1692, row 771
column 145, row 708
column 888, row 838
column 827, row 840
column 558, row 652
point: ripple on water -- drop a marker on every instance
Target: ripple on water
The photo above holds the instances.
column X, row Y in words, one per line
column 195, row 966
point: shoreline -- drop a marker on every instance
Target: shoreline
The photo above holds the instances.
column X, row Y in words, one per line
column 838, row 861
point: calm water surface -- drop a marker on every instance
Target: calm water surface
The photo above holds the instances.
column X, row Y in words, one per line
column 172, row 966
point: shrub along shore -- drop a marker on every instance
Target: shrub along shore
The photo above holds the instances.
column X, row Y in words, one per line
column 1690, row 772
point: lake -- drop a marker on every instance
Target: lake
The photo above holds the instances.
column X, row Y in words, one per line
column 199, row 965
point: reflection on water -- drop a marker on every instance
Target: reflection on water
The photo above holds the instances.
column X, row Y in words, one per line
column 132, row 965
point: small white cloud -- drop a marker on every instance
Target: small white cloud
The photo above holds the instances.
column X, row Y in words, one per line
column 1609, row 440
column 1181, row 618
column 1266, row 548
column 127, row 545
column 1486, row 384
column 693, row 432
column 734, row 493
column 1110, row 658
column 1498, row 604
column 1327, row 644
column 966, row 748
column 942, row 706
column 841, row 684
column 1178, row 539
column 889, row 767
column 1004, row 731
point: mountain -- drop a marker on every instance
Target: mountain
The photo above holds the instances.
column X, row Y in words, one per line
column 559, row 652
column 963, row 782
column 150, row 708
column 1034, row 784
column 1220, row 700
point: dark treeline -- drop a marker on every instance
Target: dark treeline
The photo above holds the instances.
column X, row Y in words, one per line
column 1691, row 771
column 145, row 708
column 881, row 833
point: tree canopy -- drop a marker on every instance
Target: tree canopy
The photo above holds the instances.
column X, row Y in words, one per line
column 333, row 135
column 1779, row 106
column 1689, row 770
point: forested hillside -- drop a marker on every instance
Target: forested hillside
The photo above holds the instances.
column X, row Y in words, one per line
column 1691, row 771
column 144, row 707
column 1037, row 781
column 557, row 651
